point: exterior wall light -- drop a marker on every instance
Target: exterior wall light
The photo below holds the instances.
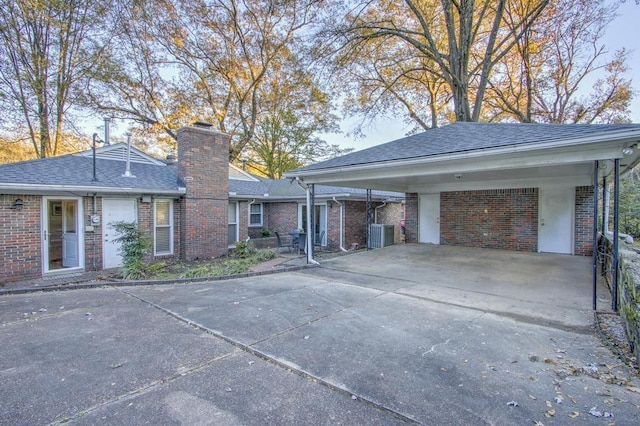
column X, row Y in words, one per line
column 627, row 151
column 18, row 204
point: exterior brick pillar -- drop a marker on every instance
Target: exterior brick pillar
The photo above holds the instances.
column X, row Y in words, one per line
column 203, row 166
column 583, row 232
column 411, row 218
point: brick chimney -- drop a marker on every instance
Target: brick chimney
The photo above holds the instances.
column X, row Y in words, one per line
column 203, row 165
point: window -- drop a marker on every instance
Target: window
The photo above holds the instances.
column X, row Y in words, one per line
column 255, row 215
column 163, row 235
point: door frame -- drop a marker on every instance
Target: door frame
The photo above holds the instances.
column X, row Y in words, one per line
column 322, row 220
column 236, row 224
column 104, row 224
column 429, row 218
column 542, row 217
column 44, row 237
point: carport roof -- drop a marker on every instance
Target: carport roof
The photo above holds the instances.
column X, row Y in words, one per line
column 481, row 148
column 463, row 137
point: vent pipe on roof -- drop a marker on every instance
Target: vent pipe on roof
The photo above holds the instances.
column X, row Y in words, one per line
column 107, row 133
column 127, row 171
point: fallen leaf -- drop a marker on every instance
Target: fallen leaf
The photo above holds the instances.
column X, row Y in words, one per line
column 549, row 361
column 550, row 413
column 574, row 414
column 549, row 404
column 633, row 389
column 575, row 401
column 532, row 397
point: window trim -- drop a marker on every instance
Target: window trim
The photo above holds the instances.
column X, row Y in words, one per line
column 256, row 225
column 155, row 227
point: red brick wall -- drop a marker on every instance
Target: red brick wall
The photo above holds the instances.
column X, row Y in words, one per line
column 203, row 165
column 92, row 239
column 392, row 214
column 20, row 238
column 411, row 218
column 355, row 223
column 583, row 231
column 281, row 217
column 501, row 219
column 243, row 220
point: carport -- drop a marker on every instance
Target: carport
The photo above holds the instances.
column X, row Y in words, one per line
column 522, row 187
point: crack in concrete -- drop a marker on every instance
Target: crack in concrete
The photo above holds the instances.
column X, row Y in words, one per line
column 248, row 348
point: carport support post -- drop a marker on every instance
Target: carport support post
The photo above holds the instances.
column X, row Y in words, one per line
column 311, row 232
column 595, row 234
column 616, row 223
column 368, row 219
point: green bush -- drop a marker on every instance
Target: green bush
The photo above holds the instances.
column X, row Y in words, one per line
column 265, row 232
column 243, row 250
column 133, row 246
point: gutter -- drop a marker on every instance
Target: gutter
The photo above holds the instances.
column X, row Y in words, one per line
column 39, row 189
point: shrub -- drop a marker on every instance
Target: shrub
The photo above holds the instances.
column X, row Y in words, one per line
column 243, row 250
column 265, row 232
column 133, row 246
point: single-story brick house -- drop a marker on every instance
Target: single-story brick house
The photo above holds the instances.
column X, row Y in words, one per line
column 280, row 205
column 529, row 187
column 55, row 213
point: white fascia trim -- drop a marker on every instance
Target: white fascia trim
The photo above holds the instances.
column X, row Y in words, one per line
column 40, row 189
column 463, row 164
column 502, row 184
column 631, row 136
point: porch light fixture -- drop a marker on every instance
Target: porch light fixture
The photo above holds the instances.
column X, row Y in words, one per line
column 18, row 204
column 627, row 151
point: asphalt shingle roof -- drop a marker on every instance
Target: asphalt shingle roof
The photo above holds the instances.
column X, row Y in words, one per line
column 463, row 137
column 77, row 170
column 286, row 188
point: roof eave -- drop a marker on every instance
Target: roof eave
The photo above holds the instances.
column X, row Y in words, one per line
column 19, row 188
column 619, row 137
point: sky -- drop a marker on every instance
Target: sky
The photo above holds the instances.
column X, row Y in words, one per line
column 622, row 32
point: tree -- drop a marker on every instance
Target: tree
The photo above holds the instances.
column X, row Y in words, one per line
column 47, row 48
column 202, row 60
column 542, row 79
column 459, row 41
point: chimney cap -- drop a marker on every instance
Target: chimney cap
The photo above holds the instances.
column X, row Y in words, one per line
column 203, row 124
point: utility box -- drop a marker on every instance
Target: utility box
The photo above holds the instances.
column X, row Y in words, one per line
column 381, row 235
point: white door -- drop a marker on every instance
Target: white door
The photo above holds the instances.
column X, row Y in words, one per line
column 429, row 208
column 115, row 210
column 555, row 220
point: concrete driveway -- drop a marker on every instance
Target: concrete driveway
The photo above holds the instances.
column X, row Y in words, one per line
column 379, row 337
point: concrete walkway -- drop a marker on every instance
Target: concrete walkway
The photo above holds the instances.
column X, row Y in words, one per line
column 372, row 345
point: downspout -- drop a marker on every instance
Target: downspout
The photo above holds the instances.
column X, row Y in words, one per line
column 304, row 186
column 341, row 231
column 595, row 235
column 375, row 212
column 95, row 211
